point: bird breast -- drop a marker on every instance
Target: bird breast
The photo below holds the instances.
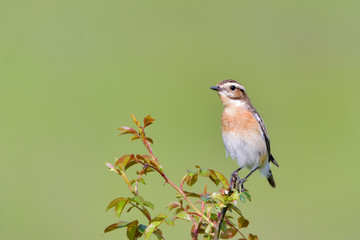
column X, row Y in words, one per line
column 242, row 137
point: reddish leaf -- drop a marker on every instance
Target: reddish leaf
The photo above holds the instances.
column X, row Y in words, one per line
column 145, row 170
column 173, row 205
column 229, row 233
column 194, row 233
column 130, row 164
column 192, row 194
column 122, row 159
column 144, row 158
column 148, row 120
column 149, row 140
column 242, row 222
column 127, row 130
column 252, row 237
column 117, row 225
column 127, row 160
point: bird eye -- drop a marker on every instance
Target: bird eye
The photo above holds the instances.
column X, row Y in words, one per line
column 233, row 88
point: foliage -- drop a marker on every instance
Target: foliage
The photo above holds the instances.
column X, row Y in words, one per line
column 207, row 212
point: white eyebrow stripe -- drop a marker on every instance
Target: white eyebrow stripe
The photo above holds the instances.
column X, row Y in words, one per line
column 235, row 84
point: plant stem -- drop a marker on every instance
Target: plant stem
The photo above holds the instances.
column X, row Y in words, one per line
column 179, row 190
column 122, row 173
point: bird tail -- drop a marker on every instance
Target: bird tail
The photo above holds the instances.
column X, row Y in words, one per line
column 270, row 179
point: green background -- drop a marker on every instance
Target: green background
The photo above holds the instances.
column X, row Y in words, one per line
column 71, row 72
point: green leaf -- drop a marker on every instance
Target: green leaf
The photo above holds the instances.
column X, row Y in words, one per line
column 247, row 195
column 159, row 217
column 217, row 196
column 134, row 138
column 203, row 172
column 120, row 206
column 184, row 216
column 191, row 179
column 149, row 204
column 135, row 120
column 169, row 221
column 208, row 229
column 114, row 202
column 142, row 228
column 205, row 199
column 220, row 178
column 242, row 198
column 131, row 230
column 141, row 180
column 234, row 196
column 151, row 228
column 158, row 234
column 117, row 225
column 139, row 200
column 235, row 209
column 179, row 210
column 223, row 226
column 126, row 160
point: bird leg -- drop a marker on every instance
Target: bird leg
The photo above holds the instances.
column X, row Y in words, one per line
column 241, row 182
column 235, row 179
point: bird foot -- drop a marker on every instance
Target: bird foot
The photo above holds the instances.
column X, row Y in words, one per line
column 234, row 182
column 241, row 184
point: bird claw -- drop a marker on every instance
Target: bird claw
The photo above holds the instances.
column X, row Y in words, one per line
column 234, row 179
column 241, row 183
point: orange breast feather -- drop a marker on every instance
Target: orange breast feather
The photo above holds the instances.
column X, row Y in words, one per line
column 239, row 120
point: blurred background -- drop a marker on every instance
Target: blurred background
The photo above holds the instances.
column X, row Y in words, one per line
column 71, row 72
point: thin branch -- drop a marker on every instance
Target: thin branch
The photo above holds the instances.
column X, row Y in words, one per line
column 232, row 225
column 173, row 185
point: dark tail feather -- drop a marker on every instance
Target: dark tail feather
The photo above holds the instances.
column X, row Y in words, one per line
column 272, row 159
column 271, row 180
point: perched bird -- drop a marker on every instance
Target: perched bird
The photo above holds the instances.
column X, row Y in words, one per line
column 244, row 133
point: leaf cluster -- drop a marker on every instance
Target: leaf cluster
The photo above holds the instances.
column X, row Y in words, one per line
column 206, row 211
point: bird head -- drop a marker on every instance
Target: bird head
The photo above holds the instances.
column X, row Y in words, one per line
column 231, row 93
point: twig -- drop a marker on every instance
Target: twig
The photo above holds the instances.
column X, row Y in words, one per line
column 224, row 210
column 232, row 225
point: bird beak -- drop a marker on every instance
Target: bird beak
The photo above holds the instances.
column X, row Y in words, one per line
column 216, row 88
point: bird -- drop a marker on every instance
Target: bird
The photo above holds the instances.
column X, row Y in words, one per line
column 244, row 133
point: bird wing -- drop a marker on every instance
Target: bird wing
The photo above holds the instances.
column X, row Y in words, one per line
column 264, row 134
